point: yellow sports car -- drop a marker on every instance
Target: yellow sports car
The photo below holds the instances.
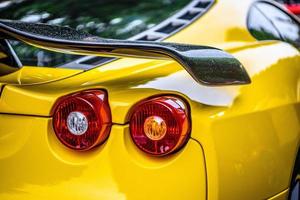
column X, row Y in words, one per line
column 211, row 112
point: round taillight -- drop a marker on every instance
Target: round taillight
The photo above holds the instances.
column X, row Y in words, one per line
column 160, row 126
column 82, row 120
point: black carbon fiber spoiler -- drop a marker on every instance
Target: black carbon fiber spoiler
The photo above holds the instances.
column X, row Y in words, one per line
column 207, row 65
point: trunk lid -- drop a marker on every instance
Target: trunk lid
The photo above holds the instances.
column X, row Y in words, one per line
column 14, row 73
column 36, row 75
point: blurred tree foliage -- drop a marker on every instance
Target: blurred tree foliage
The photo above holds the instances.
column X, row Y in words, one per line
column 119, row 19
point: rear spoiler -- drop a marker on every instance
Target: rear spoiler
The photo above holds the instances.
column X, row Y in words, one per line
column 207, row 65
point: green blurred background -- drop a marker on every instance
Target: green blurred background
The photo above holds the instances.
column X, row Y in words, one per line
column 118, row 19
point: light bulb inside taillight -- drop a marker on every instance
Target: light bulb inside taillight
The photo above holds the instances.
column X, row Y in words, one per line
column 161, row 125
column 82, row 120
column 77, row 123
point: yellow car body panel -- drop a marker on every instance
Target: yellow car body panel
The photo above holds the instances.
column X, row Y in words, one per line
column 38, row 167
column 244, row 139
column 33, row 75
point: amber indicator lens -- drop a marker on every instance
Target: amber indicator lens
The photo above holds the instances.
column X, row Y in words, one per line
column 82, row 120
column 160, row 126
column 155, row 128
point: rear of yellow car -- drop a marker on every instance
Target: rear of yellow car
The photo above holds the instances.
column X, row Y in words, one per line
column 200, row 142
column 36, row 166
column 36, row 163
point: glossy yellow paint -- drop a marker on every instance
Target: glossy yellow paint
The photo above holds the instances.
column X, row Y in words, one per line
column 33, row 75
column 38, row 167
column 244, row 138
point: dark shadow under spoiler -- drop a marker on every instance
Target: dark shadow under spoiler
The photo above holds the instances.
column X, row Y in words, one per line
column 207, row 65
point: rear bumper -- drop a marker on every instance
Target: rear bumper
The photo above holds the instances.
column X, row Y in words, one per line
column 35, row 165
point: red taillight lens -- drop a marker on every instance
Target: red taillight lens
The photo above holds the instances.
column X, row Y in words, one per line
column 294, row 8
column 82, row 120
column 160, row 126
